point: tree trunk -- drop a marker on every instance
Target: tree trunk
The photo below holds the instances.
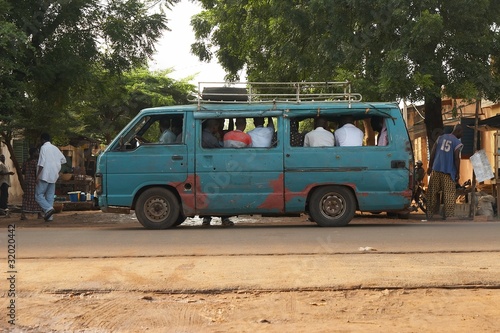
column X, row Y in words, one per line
column 433, row 119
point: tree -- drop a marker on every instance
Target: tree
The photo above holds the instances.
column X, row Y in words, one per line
column 388, row 49
column 52, row 48
column 113, row 100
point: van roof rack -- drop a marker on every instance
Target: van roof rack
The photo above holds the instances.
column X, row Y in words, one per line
column 265, row 92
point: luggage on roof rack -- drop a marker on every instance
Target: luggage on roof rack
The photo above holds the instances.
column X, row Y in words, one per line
column 224, row 94
column 261, row 92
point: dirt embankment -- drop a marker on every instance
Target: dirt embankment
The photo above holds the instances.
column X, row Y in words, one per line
column 428, row 310
column 129, row 307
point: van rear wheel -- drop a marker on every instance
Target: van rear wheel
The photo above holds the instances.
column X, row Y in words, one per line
column 157, row 208
column 332, row 206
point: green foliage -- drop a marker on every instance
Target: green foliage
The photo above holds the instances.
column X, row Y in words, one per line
column 12, row 47
column 50, row 50
column 390, row 49
column 113, row 100
column 61, row 43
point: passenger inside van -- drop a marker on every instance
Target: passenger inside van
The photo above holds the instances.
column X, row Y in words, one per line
column 378, row 125
column 262, row 136
column 176, row 128
column 209, row 138
column 348, row 134
column 320, row 136
column 166, row 136
column 238, row 138
column 221, row 131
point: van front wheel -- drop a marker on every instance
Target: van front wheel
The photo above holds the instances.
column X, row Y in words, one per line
column 157, row 208
column 332, row 206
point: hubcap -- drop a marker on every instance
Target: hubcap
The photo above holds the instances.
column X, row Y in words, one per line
column 157, row 209
column 332, row 205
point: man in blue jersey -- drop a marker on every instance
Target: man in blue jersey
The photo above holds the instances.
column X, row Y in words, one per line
column 444, row 169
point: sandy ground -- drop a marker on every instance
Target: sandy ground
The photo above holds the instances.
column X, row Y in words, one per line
column 429, row 310
column 130, row 308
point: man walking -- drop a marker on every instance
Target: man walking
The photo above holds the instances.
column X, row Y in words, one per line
column 49, row 165
column 4, row 186
column 444, row 169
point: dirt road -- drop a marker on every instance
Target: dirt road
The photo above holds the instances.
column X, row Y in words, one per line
column 370, row 292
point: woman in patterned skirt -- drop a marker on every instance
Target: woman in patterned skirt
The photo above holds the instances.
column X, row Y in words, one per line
column 29, row 172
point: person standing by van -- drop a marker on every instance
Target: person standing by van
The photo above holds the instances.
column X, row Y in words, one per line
column 209, row 140
column 29, row 171
column 49, row 165
column 444, row 169
column 320, row 136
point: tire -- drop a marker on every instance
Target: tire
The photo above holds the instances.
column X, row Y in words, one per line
column 332, row 206
column 157, row 208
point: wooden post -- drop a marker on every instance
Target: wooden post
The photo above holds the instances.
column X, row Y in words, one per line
column 472, row 210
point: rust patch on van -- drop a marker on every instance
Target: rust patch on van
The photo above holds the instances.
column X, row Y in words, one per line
column 275, row 199
column 302, row 194
column 188, row 196
column 305, row 192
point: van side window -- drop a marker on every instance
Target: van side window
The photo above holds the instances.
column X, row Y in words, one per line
column 165, row 129
column 256, row 132
column 358, row 132
column 263, row 134
column 320, row 136
column 170, row 129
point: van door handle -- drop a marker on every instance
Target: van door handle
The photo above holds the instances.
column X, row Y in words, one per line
column 177, row 158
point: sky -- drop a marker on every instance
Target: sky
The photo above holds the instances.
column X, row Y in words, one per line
column 173, row 50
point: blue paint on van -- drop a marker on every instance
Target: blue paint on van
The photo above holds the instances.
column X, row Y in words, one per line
column 331, row 182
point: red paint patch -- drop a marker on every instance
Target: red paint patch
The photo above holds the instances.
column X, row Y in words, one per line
column 275, row 199
column 191, row 199
column 302, row 194
column 305, row 192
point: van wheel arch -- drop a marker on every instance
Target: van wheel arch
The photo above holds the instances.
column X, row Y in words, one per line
column 142, row 190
